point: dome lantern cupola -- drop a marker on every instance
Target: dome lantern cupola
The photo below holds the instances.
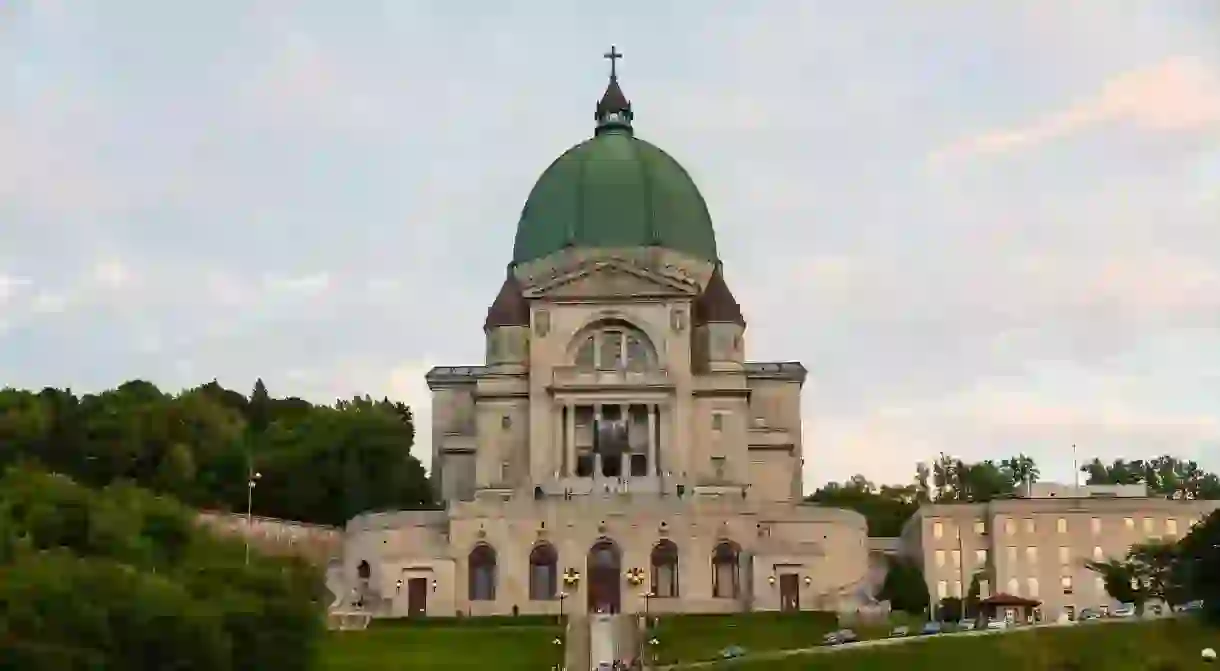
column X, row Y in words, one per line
column 613, row 110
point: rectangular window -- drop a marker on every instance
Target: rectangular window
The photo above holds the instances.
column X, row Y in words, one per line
column 984, row 589
column 1129, row 523
column 1061, row 525
column 1171, row 527
column 611, row 351
column 957, row 588
column 1098, row 555
column 957, row 559
column 1012, row 554
column 940, row 559
column 1030, row 527
column 938, row 530
column 717, row 422
column 1066, row 583
column 1095, row 525
column 942, row 590
column 1032, row 585
column 1014, row 587
column 980, row 527
column 1065, row 555
column 1147, row 525
column 980, row 557
column 1031, row 555
column 1010, row 526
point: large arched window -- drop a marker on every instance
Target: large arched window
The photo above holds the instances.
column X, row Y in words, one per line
column 725, row 582
column 664, row 562
column 544, row 572
column 482, row 565
column 615, row 346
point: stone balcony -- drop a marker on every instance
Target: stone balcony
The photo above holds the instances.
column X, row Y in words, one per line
column 573, row 377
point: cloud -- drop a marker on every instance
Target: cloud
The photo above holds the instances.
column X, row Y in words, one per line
column 1180, row 94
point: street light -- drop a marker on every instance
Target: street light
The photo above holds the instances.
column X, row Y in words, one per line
column 647, row 598
column 653, row 643
column 252, row 479
column 562, row 596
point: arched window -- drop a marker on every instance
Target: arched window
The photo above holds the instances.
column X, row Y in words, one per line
column 482, row 565
column 664, row 562
column 615, row 346
column 363, row 571
column 544, row 572
column 725, row 582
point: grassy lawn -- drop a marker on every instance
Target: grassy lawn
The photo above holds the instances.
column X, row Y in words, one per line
column 521, row 644
column 1161, row 645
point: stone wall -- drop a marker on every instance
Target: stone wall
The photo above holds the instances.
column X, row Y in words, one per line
column 317, row 543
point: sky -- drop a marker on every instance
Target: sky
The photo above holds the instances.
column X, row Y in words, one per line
column 985, row 228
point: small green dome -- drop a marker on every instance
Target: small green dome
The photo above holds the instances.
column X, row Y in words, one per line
column 614, row 190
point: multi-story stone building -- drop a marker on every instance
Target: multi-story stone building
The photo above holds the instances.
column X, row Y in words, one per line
column 616, row 451
column 1035, row 544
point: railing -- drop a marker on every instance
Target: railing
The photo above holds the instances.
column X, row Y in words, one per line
column 572, row 376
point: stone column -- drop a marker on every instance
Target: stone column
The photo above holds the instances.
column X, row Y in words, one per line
column 624, row 468
column 653, row 465
column 597, row 427
column 559, row 450
column 569, row 443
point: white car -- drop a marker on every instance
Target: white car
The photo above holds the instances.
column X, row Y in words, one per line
column 997, row 624
column 1125, row 610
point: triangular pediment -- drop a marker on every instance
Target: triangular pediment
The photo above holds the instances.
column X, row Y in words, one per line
column 612, row 279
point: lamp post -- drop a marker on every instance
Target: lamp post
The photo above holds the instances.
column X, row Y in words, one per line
column 562, row 597
column 653, row 644
column 252, row 478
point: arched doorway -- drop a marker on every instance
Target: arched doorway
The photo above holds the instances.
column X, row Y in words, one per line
column 603, row 576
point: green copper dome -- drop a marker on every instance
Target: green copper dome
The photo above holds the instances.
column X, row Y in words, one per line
column 614, row 190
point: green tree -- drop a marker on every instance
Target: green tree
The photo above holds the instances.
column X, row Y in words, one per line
column 904, row 586
column 886, row 508
column 950, row 609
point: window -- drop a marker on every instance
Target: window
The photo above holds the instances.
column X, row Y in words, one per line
column 1065, row 555
column 1030, row 527
column 1061, row 525
column 957, row 588
column 1012, row 554
column 1014, row 587
column 1031, row 555
column 940, row 559
column 1095, row 525
column 544, row 575
column 615, row 347
column 506, row 422
column 1129, row 523
column 1147, row 525
column 980, row 557
column 482, row 573
column 1010, row 526
column 942, row 590
column 725, row 584
column 1171, row 527
column 664, row 561
column 717, row 421
column 938, row 530
column 1066, row 583
column 957, row 559
column 980, row 527
column 1032, row 586
column 1098, row 555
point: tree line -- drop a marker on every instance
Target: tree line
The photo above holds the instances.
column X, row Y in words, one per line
column 948, row 479
column 121, row 578
column 315, row 463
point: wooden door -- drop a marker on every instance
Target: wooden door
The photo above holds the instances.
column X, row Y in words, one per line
column 789, row 593
column 417, row 597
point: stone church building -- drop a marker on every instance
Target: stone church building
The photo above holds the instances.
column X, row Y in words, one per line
column 617, row 451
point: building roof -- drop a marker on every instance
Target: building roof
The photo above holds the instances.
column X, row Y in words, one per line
column 1005, row 599
column 614, row 190
column 510, row 307
column 716, row 305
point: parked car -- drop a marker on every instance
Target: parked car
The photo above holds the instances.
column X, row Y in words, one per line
column 966, row 625
column 840, row 637
column 1125, row 610
column 899, row 632
column 1191, row 606
column 930, row 627
column 732, row 652
column 998, row 623
column 1089, row 614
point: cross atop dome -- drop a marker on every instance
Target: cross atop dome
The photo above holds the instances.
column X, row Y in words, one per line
column 613, row 110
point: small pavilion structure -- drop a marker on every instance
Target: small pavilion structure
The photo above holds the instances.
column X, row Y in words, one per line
column 1014, row 609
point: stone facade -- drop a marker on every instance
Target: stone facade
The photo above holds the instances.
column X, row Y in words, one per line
column 1036, row 544
column 668, row 450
